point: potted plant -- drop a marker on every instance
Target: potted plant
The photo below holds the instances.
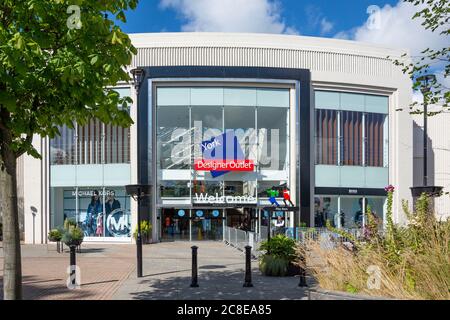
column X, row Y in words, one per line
column 279, row 256
column 55, row 235
column 73, row 236
column 146, row 232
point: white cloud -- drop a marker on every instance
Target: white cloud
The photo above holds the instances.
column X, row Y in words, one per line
column 316, row 19
column 262, row 16
column 393, row 26
column 325, row 26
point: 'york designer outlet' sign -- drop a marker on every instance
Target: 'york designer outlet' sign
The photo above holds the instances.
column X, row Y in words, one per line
column 223, row 154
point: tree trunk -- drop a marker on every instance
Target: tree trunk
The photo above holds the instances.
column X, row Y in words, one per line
column 12, row 267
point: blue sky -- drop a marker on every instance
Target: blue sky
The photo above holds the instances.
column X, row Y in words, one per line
column 390, row 26
column 303, row 15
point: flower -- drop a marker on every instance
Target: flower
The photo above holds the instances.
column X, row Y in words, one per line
column 389, row 188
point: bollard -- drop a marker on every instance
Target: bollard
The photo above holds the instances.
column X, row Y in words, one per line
column 248, row 267
column 194, row 282
column 73, row 263
column 302, row 274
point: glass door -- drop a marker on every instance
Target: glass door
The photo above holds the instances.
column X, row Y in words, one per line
column 174, row 224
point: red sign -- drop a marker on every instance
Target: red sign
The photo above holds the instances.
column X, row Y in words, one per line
column 224, row 165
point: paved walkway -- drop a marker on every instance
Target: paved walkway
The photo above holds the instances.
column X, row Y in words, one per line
column 108, row 272
column 103, row 268
column 167, row 275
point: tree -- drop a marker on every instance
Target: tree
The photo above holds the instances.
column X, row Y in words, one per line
column 435, row 15
column 57, row 59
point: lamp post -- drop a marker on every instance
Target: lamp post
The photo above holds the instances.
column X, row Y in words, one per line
column 426, row 82
column 137, row 191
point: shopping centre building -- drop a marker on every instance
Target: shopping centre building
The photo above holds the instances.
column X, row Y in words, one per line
column 226, row 126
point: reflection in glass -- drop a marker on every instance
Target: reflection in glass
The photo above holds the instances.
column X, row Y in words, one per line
column 273, row 138
column 211, row 187
column 353, row 212
column 99, row 212
column 326, row 208
column 174, row 189
column 376, row 205
column 174, row 138
column 242, row 121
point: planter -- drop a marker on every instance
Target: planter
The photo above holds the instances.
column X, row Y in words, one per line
column 73, row 243
column 271, row 266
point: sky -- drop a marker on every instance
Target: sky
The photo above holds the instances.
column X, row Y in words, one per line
column 383, row 22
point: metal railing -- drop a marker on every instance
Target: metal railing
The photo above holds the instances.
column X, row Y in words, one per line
column 239, row 239
column 318, row 234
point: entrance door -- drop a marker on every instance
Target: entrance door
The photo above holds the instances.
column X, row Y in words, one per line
column 207, row 224
column 174, row 224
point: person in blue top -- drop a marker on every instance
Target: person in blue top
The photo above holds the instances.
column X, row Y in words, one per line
column 94, row 208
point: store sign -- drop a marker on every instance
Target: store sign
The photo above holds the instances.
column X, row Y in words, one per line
column 205, row 198
column 223, row 154
column 118, row 224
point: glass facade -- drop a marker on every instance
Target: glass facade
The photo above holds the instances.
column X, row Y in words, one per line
column 219, row 124
column 351, row 151
column 89, row 167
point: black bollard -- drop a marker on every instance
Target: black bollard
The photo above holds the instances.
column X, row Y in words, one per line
column 73, row 263
column 248, row 267
column 194, row 282
column 302, row 274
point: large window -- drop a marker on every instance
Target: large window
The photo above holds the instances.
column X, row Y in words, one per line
column 257, row 119
column 326, row 137
column 99, row 211
column 351, row 137
column 376, row 139
column 89, row 166
column 92, row 143
column 356, row 125
column 348, row 212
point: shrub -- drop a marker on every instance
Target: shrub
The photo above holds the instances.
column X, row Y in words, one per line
column 273, row 266
column 69, row 223
column 146, row 229
column 279, row 254
column 73, row 236
column 55, row 235
column 280, row 246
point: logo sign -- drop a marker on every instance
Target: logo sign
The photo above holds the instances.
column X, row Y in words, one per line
column 215, row 213
column 181, row 213
column 118, row 223
column 223, row 154
column 199, row 213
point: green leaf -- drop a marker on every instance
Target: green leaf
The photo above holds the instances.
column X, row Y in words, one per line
column 8, row 101
column 94, row 59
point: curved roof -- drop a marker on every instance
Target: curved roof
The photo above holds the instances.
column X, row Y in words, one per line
column 261, row 40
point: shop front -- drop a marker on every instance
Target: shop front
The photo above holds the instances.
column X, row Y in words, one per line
column 221, row 151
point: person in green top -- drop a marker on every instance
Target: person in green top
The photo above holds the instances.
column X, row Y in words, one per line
column 273, row 193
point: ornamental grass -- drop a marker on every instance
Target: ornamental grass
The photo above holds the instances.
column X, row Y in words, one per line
column 400, row 262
